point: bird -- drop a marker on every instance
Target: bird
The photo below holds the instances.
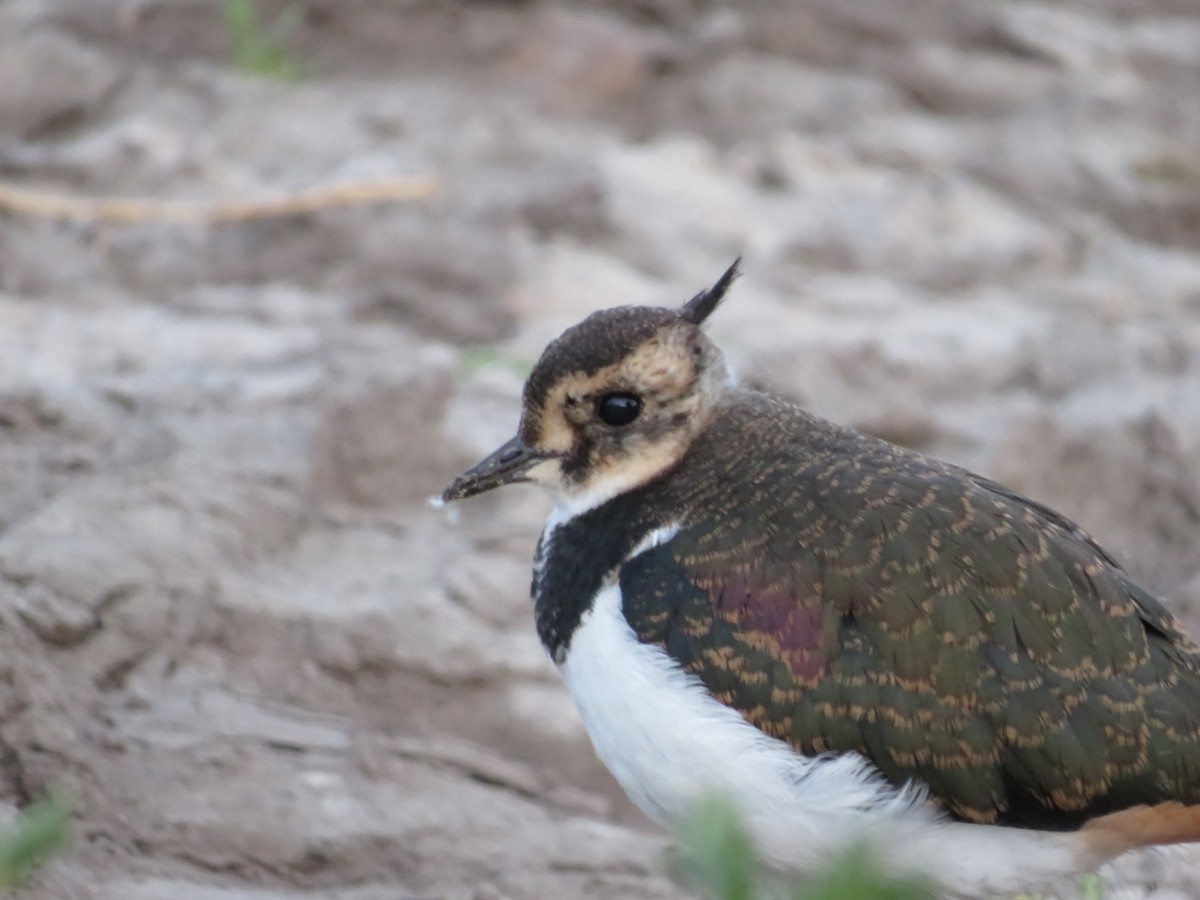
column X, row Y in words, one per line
column 852, row 640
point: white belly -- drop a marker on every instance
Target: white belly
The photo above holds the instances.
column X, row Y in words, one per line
column 667, row 740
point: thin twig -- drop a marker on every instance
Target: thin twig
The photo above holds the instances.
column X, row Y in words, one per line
column 133, row 210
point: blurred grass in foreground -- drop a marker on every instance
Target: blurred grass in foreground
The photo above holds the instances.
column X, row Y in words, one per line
column 717, row 858
column 38, row 831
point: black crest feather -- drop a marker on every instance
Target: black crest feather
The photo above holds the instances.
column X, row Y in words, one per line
column 701, row 306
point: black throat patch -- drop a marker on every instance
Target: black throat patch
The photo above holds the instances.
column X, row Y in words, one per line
column 573, row 562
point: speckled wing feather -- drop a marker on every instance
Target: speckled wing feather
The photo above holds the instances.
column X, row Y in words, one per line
column 847, row 595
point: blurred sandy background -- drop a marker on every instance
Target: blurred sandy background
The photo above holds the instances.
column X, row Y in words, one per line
column 228, row 621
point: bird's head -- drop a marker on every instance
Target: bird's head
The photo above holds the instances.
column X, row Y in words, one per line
column 614, row 402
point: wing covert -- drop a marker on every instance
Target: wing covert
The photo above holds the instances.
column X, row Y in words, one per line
column 944, row 628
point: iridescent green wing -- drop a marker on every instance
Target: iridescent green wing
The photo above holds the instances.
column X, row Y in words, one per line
column 852, row 596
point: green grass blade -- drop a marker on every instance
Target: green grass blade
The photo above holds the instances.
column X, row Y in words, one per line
column 41, row 829
column 256, row 48
column 856, row 876
column 717, row 857
column 715, row 853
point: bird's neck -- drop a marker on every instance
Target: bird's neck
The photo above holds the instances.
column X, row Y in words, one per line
column 579, row 551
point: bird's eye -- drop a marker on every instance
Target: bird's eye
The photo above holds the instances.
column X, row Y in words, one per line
column 618, row 409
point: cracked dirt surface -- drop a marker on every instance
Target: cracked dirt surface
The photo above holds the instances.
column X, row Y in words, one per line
column 230, row 625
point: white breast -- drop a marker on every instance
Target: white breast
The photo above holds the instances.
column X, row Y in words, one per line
column 666, row 740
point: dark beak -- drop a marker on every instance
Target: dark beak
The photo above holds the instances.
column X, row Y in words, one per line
column 507, row 465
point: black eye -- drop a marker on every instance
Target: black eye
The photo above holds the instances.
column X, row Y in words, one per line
column 618, row 409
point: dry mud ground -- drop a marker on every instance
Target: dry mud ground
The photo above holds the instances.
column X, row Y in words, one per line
column 230, row 625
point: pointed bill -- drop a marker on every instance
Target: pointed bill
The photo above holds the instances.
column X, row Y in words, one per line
column 507, row 465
